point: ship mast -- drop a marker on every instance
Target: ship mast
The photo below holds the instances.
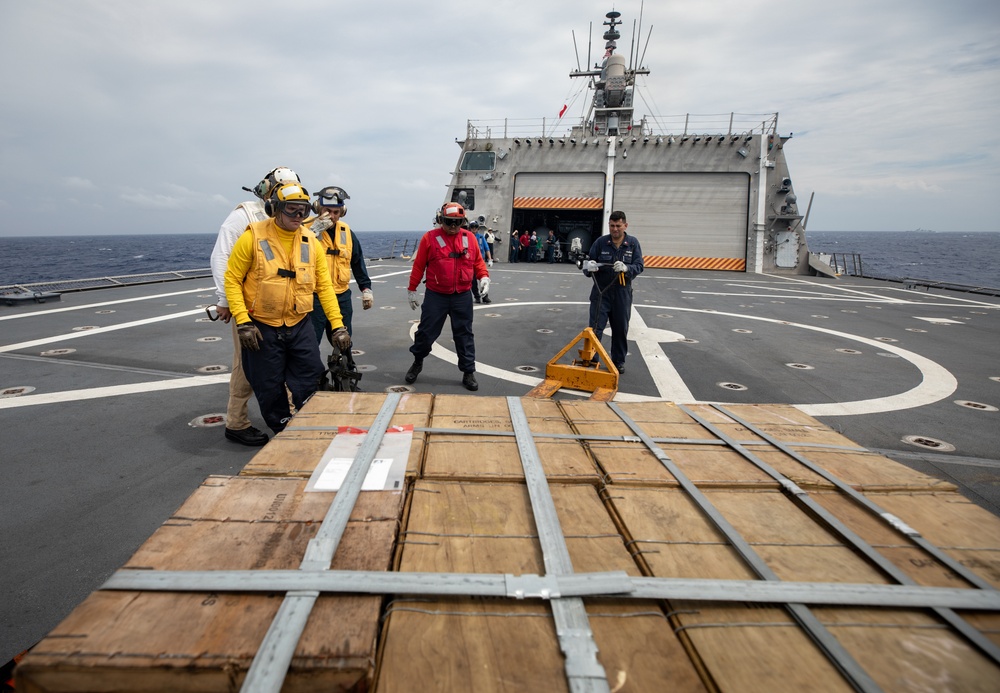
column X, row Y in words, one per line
column 613, row 82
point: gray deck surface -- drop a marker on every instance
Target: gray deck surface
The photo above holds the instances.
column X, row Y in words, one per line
column 89, row 475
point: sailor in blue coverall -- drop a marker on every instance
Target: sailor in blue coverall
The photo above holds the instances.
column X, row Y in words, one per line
column 615, row 260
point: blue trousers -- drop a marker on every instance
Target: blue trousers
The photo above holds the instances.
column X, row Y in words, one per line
column 288, row 357
column 320, row 322
column 435, row 309
column 614, row 305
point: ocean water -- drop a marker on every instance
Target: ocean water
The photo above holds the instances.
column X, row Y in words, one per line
column 961, row 258
column 27, row 260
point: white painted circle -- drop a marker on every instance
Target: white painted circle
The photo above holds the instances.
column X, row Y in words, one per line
column 936, row 382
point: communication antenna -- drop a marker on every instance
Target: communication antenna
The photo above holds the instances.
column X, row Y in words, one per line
column 590, row 40
column 577, row 52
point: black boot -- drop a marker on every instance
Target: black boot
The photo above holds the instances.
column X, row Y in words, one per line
column 411, row 375
column 469, row 381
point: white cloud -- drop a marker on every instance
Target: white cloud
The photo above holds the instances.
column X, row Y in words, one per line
column 168, row 109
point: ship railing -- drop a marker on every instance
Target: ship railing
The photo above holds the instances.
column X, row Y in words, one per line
column 653, row 125
column 845, row 263
column 851, row 264
column 68, row 285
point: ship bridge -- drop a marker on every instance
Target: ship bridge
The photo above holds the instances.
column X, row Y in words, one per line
column 688, row 183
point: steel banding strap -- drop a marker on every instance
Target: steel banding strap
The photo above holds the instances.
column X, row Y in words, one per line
column 576, row 640
column 587, row 437
column 617, row 584
column 831, row 647
column 867, row 503
column 834, row 524
column 270, row 664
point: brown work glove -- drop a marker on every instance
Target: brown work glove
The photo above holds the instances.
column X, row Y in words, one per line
column 342, row 338
column 250, row 336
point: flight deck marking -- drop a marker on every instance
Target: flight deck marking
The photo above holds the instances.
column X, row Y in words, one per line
column 936, row 383
column 940, row 321
column 105, row 303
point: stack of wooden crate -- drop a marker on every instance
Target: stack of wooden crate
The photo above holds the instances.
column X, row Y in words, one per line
column 467, row 507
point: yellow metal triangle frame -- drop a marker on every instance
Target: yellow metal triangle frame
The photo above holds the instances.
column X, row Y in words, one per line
column 592, row 372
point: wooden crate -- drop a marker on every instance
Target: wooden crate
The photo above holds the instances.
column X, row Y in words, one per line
column 484, row 644
column 466, row 509
column 145, row 641
column 760, row 648
column 496, row 458
column 296, row 453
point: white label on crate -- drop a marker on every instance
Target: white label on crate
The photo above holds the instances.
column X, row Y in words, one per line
column 387, row 470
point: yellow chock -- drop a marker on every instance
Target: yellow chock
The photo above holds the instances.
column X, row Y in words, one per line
column 593, row 372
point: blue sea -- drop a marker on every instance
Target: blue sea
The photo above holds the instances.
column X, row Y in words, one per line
column 28, row 260
column 961, row 258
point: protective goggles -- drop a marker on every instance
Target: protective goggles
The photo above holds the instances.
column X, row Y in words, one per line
column 452, row 222
column 332, row 196
column 295, row 210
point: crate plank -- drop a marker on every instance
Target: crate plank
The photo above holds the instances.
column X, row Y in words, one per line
column 492, row 646
column 296, row 453
column 497, row 458
column 206, row 641
column 488, row 528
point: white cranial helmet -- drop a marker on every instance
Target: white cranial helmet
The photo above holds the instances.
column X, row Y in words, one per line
column 274, row 178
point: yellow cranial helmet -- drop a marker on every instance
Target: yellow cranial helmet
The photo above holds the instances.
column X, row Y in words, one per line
column 289, row 195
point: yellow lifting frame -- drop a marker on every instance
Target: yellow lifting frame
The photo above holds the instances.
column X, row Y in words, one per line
column 585, row 373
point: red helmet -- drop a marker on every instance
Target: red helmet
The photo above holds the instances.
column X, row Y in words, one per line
column 453, row 210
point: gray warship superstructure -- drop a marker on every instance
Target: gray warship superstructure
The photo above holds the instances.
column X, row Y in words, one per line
column 707, row 192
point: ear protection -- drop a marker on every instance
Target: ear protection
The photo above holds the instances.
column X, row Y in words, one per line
column 337, row 196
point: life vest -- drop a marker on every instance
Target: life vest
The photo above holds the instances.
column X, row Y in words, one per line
column 450, row 261
column 253, row 209
column 278, row 289
column 336, row 242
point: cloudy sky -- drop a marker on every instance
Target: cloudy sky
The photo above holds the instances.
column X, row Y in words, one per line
column 147, row 116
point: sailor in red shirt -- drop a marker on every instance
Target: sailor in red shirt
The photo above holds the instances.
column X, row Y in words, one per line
column 451, row 259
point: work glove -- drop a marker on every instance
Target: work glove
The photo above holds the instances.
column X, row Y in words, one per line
column 484, row 286
column 250, row 336
column 367, row 299
column 342, row 338
column 619, row 266
column 590, row 265
column 412, row 297
column 322, row 223
column 489, row 263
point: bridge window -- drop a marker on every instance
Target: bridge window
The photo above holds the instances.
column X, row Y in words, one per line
column 465, row 197
column 479, row 161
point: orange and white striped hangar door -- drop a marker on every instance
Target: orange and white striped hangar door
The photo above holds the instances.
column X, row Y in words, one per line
column 572, row 204
column 687, row 220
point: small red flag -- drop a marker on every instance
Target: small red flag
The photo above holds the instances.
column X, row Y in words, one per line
column 563, row 110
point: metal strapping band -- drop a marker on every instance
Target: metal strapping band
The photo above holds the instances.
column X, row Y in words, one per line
column 617, row 584
column 583, row 671
column 971, row 633
column 867, row 503
column 824, row 639
column 270, row 664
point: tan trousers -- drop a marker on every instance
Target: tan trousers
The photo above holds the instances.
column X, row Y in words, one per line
column 240, row 391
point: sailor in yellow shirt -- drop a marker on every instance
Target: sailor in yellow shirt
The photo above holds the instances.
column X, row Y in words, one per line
column 273, row 271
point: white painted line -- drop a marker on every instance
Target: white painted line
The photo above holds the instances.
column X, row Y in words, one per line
column 87, row 306
column 940, row 321
column 112, row 391
column 669, row 382
column 99, row 330
column 936, row 383
column 871, row 296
